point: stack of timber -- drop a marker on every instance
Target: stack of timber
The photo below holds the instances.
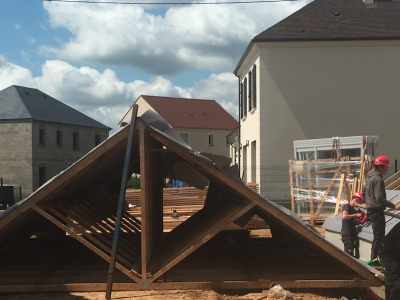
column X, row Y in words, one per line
column 320, row 187
column 186, row 201
column 74, row 219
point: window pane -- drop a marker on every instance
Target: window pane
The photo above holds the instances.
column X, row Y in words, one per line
column 184, row 137
column 210, row 140
column 75, row 140
column 42, row 136
column 59, row 137
column 42, row 175
column 97, row 139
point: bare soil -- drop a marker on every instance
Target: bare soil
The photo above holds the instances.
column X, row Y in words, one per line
column 326, row 294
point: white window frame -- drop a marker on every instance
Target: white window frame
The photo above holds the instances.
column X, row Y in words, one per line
column 213, row 139
column 188, row 136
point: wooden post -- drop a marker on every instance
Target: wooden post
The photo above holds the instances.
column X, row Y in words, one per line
column 151, row 185
column 342, row 179
column 354, row 186
column 328, row 189
column 362, row 169
column 120, row 203
column 292, row 201
column 310, row 193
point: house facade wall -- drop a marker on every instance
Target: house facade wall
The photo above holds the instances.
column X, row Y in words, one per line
column 198, row 140
column 56, row 158
column 16, row 154
column 311, row 90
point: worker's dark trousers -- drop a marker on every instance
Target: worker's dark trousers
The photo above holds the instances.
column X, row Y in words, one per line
column 348, row 242
column 377, row 219
column 391, row 269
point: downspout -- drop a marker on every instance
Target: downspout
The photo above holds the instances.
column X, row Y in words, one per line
column 240, row 144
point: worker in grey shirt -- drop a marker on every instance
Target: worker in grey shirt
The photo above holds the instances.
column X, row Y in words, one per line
column 376, row 202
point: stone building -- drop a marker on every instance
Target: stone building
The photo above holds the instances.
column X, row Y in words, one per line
column 40, row 137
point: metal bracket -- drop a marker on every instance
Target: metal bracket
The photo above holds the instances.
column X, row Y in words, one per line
column 144, row 282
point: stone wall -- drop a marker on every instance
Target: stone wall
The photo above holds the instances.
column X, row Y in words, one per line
column 16, row 155
column 56, row 158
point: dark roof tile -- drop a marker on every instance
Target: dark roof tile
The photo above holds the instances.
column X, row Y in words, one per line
column 338, row 20
column 18, row 103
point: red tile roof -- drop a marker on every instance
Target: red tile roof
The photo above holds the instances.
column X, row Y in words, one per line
column 191, row 113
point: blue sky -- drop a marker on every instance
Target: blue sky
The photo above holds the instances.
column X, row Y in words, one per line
column 99, row 58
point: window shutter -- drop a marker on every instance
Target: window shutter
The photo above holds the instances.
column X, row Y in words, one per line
column 241, row 101
column 245, row 98
column 254, row 86
column 250, row 93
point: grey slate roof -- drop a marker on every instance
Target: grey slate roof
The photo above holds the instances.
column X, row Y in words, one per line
column 338, row 20
column 21, row 103
column 333, row 20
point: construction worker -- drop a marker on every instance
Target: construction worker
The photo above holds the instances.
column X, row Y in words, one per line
column 389, row 256
column 350, row 218
column 376, row 202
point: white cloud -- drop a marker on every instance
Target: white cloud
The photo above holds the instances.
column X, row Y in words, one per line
column 187, row 37
column 17, row 26
column 103, row 96
column 31, row 40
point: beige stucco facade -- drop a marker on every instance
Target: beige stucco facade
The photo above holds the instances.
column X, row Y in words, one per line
column 309, row 90
column 197, row 138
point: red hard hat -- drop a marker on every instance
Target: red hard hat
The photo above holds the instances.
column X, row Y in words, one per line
column 359, row 195
column 382, row 161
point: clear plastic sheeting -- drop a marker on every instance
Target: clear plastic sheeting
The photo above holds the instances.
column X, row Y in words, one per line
column 317, row 185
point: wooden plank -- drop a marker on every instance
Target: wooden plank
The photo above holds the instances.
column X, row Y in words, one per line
column 285, row 221
column 102, row 239
column 107, row 229
column 339, row 197
column 81, row 240
column 362, row 170
column 354, row 186
column 293, row 203
column 310, row 192
column 262, row 284
column 151, row 183
column 201, row 239
column 328, row 189
column 90, row 237
column 392, row 179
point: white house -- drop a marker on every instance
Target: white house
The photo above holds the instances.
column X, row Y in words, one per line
column 202, row 124
column 330, row 69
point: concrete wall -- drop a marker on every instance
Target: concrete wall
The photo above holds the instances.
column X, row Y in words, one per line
column 57, row 158
column 310, row 90
column 16, row 154
column 250, row 127
column 325, row 89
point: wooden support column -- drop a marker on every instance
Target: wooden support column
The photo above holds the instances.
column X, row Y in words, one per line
column 151, row 185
